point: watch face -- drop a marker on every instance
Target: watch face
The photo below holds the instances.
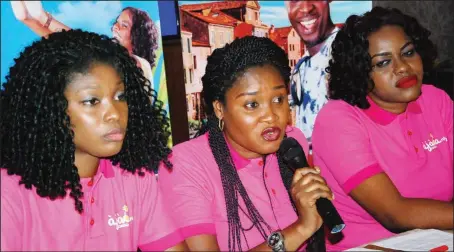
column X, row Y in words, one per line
column 274, row 238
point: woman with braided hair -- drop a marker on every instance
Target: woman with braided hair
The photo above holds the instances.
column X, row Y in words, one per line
column 229, row 190
column 80, row 141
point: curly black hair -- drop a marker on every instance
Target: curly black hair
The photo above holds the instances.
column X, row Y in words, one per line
column 35, row 134
column 144, row 35
column 225, row 65
column 350, row 65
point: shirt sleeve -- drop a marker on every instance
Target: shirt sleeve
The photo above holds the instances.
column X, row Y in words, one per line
column 11, row 214
column 157, row 230
column 341, row 143
column 446, row 114
column 188, row 191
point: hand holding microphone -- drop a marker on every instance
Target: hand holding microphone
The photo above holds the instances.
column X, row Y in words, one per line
column 309, row 190
column 307, row 187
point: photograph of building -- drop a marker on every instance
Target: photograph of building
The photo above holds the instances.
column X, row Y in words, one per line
column 207, row 25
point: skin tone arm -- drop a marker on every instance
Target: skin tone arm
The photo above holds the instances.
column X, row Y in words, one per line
column 21, row 14
column 32, row 14
column 307, row 187
column 179, row 247
column 400, row 213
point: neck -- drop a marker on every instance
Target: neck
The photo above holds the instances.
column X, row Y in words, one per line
column 86, row 164
column 314, row 49
column 243, row 152
column 395, row 108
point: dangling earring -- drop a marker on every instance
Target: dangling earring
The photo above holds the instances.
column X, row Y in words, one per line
column 221, row 124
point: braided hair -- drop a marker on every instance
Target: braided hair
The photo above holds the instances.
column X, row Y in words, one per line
column 35, row 134
column 223, row 68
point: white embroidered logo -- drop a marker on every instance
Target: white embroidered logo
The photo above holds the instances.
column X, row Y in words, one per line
column 432, row 143
column 120, row 221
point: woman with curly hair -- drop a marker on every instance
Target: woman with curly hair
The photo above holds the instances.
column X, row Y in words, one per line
column 384, row 141
column 229, row 189
column 81, row 142
column 133, row 29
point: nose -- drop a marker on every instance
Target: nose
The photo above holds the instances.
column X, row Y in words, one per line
column 269, row 114
column 400, row 66
column 115, row 27
column 304, row 7
column 112, row 112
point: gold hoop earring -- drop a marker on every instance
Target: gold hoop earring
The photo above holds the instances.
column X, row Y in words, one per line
column 221, row 124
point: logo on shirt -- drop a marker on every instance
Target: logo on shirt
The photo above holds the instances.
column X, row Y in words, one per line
column 433, row 142
column 120, row 221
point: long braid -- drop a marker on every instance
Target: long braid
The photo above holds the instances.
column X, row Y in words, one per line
column 233, row 190
column 224, row 66
column 35, row 131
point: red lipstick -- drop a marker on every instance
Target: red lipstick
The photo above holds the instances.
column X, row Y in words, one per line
column 407, row 82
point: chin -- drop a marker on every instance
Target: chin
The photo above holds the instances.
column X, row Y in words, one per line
column 109, row 151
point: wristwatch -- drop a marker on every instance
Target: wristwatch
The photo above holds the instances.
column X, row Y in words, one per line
column 276, row 241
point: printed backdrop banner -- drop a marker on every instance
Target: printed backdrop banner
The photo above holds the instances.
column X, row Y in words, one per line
column 207, row 25
column 123, row 20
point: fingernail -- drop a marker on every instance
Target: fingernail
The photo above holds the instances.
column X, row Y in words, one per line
column 333, row 196
column 317, row 169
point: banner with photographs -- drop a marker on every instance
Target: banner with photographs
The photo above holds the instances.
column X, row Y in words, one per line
column 207, row 25
column 135, row 24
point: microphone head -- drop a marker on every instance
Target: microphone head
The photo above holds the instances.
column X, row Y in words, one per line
column 292, row 152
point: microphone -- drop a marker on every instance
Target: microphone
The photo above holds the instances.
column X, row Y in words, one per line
column 293, row 155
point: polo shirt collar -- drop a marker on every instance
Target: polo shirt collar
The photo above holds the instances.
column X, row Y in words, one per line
column 383, row 117
column 106, row 168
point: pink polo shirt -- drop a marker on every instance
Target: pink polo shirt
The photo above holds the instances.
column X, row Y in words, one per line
column 194, row 192
column 122, row 211
column 413, row 148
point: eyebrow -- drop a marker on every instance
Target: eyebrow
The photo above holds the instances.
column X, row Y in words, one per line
column 95, row 86
column 388, row 53
column 254, row 93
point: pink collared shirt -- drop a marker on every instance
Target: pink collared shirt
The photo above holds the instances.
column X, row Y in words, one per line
column 194, row 192
column 414, row 149
column 122, row 212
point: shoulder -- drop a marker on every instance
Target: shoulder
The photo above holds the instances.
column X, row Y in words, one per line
column 195, row 147
column 433, row 98
column 335, row 110
column 431, row 92
column 10, row 185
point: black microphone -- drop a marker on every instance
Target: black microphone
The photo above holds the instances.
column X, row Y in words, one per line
column 293, row 155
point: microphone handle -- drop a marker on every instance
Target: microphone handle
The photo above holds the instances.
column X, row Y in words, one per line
column 325, row 207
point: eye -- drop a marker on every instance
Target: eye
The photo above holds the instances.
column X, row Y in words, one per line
column 382, row 63
column 279, row 99
column 410, row 53
column 251, row 105
column 121, row 96
column 90, row 102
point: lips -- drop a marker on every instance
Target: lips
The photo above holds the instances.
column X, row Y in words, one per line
column 115, row 135
column 407, row 82
column 308, row 23
column 271, row 134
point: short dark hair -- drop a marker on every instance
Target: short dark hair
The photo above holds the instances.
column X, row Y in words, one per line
column 35, row 135
column 350, row 65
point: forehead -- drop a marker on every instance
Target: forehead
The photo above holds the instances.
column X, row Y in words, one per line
column 256, row 78
column 125, row 15
column 388, row 37
column 98, row 75
column 300, row 4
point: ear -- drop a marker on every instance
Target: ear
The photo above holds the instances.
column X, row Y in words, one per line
column 218, row 108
